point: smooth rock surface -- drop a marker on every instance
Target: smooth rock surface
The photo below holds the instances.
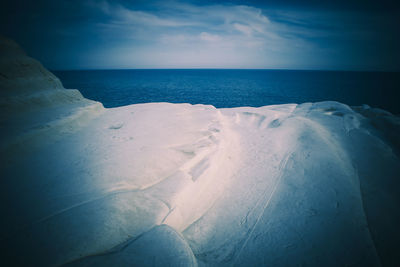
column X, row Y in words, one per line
column 160, row 184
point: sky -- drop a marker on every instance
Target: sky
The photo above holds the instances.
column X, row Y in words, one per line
column 308, row 34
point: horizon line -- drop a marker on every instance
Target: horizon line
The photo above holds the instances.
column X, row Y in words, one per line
column 262, row 69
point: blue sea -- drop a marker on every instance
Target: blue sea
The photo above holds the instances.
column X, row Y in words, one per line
column 224, row 88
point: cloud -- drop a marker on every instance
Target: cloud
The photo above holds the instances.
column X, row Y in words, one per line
column 123, row 15
column 243, row 28
column 148, row 33
column 215, row 17
column 186, row 35
column 175, row 38
column 205, row 36
column 219, row 25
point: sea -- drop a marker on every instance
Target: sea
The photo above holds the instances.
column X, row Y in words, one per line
column 226, row 88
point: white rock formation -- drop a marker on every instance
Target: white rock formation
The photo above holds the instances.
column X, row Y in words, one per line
column 163, row 184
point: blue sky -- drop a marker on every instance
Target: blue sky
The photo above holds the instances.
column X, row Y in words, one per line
column 104, row 34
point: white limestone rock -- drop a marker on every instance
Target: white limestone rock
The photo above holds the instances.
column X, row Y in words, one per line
column 315, row 184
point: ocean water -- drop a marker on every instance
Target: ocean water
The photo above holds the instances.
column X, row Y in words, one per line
column 235, row 88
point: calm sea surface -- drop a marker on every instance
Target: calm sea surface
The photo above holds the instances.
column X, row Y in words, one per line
column 234, row 88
